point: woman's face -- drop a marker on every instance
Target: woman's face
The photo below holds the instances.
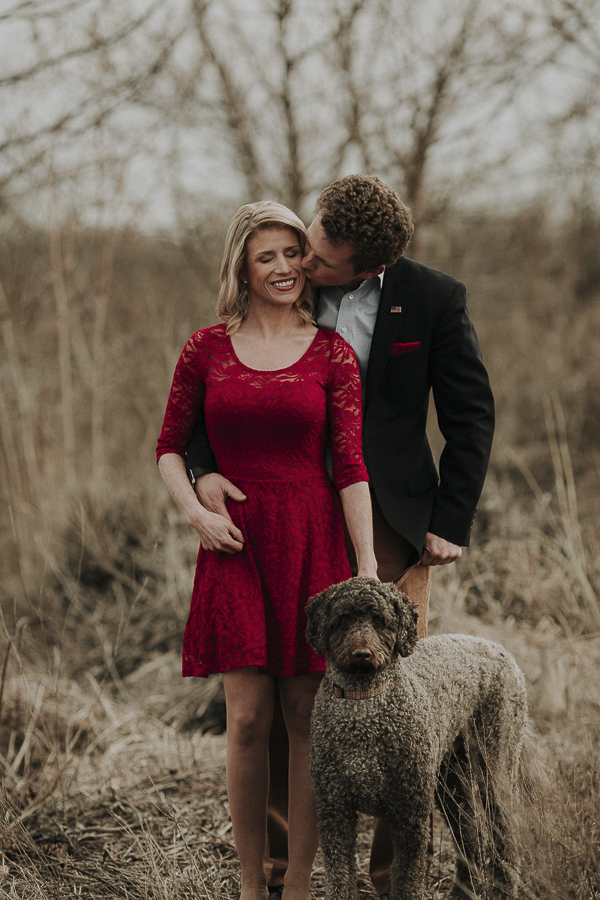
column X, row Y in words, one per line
column 274, row 266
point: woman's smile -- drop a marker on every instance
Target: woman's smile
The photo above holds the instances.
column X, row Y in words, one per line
column 274, row 268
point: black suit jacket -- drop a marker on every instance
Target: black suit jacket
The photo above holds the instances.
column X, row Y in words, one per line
column 423, row 341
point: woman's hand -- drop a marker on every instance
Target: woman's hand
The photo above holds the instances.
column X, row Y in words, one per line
column 367, row 565
column 356, row 502
column 368, row 570
column 215, row 531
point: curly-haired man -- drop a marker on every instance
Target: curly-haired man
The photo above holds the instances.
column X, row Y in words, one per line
column 412, row 334
column 362, row 212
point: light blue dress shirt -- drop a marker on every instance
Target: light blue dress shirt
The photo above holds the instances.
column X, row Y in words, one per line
column 352, row 315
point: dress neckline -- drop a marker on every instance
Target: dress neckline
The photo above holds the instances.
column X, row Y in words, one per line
column 272, row 371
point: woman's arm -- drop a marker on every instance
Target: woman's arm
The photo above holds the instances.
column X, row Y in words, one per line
column 356, row 503
column 184, row 407
column 215, row 531
column 344, row 409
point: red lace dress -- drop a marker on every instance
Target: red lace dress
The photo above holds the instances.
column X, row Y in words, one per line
column 269, row 432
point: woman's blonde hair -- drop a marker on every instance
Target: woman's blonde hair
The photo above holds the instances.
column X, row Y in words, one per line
column 251, row 218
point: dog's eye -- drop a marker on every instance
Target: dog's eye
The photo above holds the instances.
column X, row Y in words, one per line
column 377, row 620
column 344, row 620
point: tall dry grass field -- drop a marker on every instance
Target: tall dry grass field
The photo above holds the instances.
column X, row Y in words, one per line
column 109, row 786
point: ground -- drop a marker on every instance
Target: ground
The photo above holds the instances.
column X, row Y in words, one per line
column 134, row 804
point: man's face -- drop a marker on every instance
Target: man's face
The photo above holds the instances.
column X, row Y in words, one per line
column 326, row 264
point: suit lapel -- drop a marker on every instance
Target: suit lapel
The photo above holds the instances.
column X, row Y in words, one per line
column 395, row 297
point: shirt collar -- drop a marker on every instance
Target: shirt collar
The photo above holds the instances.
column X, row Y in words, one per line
column 339, row 292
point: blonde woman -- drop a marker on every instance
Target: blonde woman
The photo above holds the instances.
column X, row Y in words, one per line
column 274, row 392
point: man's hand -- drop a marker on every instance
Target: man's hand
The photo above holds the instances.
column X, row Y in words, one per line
column 439, row 552
column 216, row 532
column 213, row 489
column 216, row 529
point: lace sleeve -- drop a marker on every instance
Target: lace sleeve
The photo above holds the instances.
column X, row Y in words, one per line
column 186, row 399
column 344, row 410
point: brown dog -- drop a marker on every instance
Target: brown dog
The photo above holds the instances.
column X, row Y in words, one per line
column 399, row 724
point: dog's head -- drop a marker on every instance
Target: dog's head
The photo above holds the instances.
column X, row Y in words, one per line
column 362, row 624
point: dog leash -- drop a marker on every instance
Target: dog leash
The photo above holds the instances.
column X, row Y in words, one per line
column 400, row 581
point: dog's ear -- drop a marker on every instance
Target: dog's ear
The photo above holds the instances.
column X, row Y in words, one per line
column 408, row 633
column 317, row 611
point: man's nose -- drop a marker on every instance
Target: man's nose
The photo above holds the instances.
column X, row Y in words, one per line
column 308, row 262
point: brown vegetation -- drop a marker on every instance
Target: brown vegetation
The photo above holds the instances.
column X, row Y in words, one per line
column 108, row 787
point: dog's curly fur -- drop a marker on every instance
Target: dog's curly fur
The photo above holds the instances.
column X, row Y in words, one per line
column 446, row 727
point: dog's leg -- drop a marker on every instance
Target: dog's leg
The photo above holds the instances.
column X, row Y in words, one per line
column 502, row 790
column 500, row 740
column 457, row 794
column 337, row 833
column 409, row 868
column 506, row 863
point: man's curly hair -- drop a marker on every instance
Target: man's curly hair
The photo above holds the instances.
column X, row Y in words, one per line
column 363, row 211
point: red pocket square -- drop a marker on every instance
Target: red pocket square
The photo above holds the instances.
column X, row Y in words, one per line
column 397, row 349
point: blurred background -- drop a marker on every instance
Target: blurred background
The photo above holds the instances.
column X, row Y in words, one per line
column 129, row 134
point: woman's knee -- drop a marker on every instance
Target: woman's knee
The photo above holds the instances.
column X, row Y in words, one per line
column 248, row 725
column 249, row 701
column 298, row 706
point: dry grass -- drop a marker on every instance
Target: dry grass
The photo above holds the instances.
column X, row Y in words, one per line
column 109, row 788
column 116, row 795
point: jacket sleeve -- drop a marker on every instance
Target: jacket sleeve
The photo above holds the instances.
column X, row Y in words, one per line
column 465, row 411
column 199, row 453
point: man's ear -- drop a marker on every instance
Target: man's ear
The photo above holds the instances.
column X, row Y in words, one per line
column 370, row 273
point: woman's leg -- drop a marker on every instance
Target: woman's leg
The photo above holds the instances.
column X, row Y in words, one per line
column 249, row 698
column 297, row 699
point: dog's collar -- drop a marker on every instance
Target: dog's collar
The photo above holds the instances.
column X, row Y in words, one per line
column 359, row 693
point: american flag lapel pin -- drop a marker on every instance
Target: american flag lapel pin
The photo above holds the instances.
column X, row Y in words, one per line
column 396, row 309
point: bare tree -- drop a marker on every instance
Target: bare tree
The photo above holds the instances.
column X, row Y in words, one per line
column 572, row 133
column 241, row 99
column 69, row 67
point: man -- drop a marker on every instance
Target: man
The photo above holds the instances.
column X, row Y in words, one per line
column 412, row 335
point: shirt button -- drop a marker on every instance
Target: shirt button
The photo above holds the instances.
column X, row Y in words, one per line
column 344, row 330
column 351, row 296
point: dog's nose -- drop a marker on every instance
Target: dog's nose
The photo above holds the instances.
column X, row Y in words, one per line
column 362, row 654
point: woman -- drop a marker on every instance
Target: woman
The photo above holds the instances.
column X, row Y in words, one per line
column 274, row 391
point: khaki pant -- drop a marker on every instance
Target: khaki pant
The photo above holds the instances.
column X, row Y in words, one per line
column 392, row 552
